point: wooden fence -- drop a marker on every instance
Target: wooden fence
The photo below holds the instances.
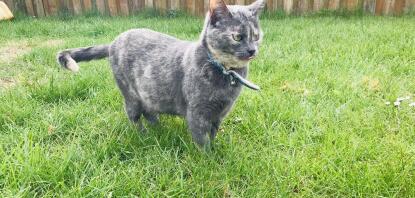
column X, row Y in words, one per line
column 40, row 8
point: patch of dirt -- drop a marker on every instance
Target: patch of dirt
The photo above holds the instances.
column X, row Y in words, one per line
column 372, row 84
column 11, row 50
column 295, row 87
column 52, row 43
column 7, row 82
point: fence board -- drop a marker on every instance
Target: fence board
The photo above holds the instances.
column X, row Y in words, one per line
column 87, row 5
column 9, row 4
column 52, row 7
column 334, row 4
column 45, row 7
column 200, row 7
column 380, row 4
column 399, row 6
column 280, row 4
column 29, row 8
column 123, row 7
column 137, row 5
column 369, row 6
column 149, row 3
column 38, row 4
column 303, row 6
column 240, row 2
column 288, row 6
column 101, row 6
column 388, row 6
column 175, row 4
column 112, row 7
column 351, row 4
column 318, row 5
column 206, row 5
column 160, row 5
column 409, row 5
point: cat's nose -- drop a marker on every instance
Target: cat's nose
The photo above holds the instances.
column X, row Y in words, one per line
column 251, row 52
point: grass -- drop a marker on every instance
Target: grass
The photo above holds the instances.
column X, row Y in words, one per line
column 319, row 127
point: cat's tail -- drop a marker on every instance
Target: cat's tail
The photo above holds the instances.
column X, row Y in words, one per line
column 69, row 58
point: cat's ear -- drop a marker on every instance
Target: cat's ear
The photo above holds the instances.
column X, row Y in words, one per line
column 218, row 11
column 257, row 7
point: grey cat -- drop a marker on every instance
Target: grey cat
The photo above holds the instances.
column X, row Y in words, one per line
column 157, row 73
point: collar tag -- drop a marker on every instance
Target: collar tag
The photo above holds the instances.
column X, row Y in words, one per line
column 234, row 76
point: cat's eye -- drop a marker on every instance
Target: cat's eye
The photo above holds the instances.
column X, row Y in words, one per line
column 237, row 37
column 255, row 37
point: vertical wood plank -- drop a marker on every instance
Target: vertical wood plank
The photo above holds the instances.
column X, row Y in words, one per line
column 379, row 7
column 112, row 7
column 295, row 6
column 303, row 6
column 280, row 4
column 389, row 4
column 163, row 5
column 189, row 6
column 53, row 7
column 77, row 8
column 274, row 5
column 38, row 4
column 200, row 11
column 137, row 5
column 46, row 7
column 9, row 4
column 318, row 5
column 369, row 6
column 351, row 4
column 175, row 4
column 240, row 2
column 399, row 7
column 288, row 6
column 230, row 2
column 29, row 8
column 409, row 5
column 149, row 4
column 334, row 4
column 87, row 5
column 123, row 4
column 269, row 5
column 206, row 5
column 157, row 5
column 100, row 6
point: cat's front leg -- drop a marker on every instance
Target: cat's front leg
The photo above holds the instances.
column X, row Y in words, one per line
column 214, row 129
column 201, row 127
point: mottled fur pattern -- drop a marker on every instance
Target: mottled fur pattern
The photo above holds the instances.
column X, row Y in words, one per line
column 157, row 73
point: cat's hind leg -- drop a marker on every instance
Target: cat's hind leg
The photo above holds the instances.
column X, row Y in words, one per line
column 134, row 111
column 132, row 104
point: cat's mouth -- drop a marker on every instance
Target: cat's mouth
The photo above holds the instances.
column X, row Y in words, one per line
column 247, row 58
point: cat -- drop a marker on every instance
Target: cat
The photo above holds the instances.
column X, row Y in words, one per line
column 159, row 74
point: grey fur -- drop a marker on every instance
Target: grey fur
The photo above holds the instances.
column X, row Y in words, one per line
column 157, row 73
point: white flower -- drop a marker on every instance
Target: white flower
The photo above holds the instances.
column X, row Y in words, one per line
column 397, row 103
column 400, row 99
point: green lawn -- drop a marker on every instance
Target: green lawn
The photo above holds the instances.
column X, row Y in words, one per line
column 319, row 127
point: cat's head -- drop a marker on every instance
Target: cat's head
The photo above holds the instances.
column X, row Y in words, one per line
column 232, row 33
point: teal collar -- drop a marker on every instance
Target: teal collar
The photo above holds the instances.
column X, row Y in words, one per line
column 234, row 76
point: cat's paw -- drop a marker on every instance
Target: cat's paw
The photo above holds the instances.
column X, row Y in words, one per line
column 141, row 128
column 152, row 119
